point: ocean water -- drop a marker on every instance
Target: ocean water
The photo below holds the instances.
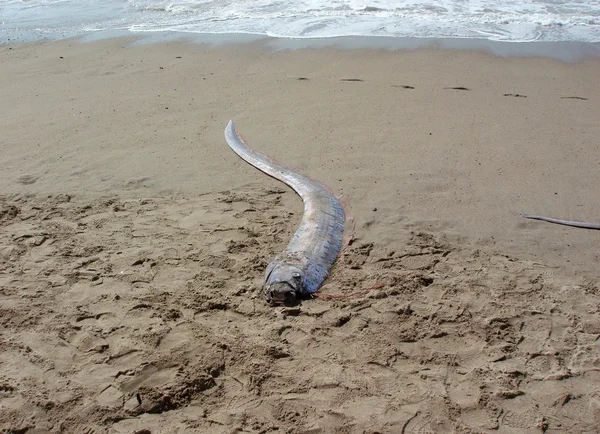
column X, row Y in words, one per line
column 496, row 20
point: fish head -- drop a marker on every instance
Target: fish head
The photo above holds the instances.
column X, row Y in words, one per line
column 283, row 285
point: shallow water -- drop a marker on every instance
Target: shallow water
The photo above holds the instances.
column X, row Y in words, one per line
column 503, row 20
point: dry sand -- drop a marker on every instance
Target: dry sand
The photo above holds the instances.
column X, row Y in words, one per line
column 133, row 241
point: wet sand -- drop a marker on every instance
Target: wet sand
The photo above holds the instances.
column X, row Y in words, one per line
column 133, row 241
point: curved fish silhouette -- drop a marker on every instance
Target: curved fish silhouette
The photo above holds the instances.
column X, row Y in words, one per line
column 303, row 266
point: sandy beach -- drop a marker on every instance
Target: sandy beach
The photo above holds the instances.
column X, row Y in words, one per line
column 133, row 241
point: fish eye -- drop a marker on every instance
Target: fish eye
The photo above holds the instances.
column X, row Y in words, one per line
column 296, row 275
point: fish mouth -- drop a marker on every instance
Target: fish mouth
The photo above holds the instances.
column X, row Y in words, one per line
column 280, row 293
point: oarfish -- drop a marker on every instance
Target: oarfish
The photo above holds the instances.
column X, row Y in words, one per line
column 574, row 223
column 303, row 266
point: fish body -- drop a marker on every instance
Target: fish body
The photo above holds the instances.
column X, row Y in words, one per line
column 573, row 223
column 303, row 266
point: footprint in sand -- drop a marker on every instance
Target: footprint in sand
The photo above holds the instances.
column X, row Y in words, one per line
column 516, row 95
column 419, row 262
column 457, row 88
column 27, row 179
column 137, row 183
column 8, row 212
column 450, row 270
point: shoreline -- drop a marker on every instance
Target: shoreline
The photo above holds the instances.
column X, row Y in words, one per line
column 565, row 51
